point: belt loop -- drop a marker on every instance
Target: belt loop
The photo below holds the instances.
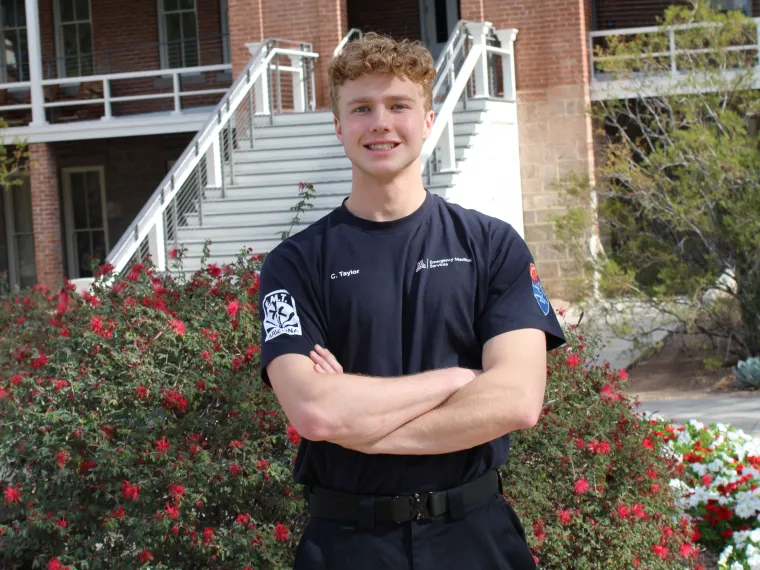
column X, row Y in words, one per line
column 456, row 504
column 366, row 513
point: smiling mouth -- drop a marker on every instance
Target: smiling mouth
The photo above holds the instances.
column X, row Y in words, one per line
column 382, row 146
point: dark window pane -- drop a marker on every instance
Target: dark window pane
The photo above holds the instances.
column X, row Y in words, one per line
column 87, row 64
column 82, row 11
column 78, row 200
column 85, row 38
column 3, row 245
column 67, row 10
column 189, row 28
column 9, row 13
column 27, row 272
column 94, row 203
column 20, row 13
column 99, row 246
column 170, row 5
column 187, row 4
column 69, row 39
column 22, row 210
column 83, row 254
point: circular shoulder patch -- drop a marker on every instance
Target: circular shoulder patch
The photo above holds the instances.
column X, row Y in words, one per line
column 538, row 291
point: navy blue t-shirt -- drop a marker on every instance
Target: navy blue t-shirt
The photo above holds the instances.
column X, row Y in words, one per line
column 396, row 298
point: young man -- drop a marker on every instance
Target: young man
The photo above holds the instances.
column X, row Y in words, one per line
column 405, row 338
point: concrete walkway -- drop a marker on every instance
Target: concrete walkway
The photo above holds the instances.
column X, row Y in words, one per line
column 739, row 411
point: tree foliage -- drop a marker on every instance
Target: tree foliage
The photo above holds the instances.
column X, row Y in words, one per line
column 677, row 185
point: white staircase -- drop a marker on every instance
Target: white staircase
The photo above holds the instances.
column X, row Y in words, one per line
column 238, row 181
column 257, row 202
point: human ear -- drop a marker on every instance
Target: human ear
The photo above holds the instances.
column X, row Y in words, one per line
column 428, row 124
column 338, row 128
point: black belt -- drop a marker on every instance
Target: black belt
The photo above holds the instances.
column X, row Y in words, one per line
column 366, row 510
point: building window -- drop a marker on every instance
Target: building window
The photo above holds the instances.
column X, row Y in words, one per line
column 14, row 59
column 73, row 27
column 225, row 12
column 18, row 236
column 743, row 6
column 178, row 30
column 84, row 204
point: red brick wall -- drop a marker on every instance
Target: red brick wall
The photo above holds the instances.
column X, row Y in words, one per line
column 126, row 30
column 46, row 215
column 399, row 19
column 134, row 167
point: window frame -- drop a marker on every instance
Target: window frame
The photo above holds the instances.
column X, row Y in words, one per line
column 60, row 56
column 68, row 210
column 163, row 40
column 18, row 30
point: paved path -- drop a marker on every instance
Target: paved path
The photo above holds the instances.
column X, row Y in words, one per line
column 742, row 412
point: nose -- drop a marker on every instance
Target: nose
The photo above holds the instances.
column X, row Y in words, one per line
column 382, row 120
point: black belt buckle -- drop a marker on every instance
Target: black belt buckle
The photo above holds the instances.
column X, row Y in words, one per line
column 418, row 508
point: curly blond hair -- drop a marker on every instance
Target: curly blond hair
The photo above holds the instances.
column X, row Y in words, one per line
column 374, row 53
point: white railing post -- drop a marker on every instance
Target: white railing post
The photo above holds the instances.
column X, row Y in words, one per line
column 157, row 243
column 479, row 31
column 214, row 164
column 177, row 99
column 261, row 87
column 299, row 84
column 673, row 66
column 35, row 62
column 507, row 40
column 107, row 100
column 757, row 39
column 446, row 148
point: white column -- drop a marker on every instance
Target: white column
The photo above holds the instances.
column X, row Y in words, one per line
column 157, row 244
column 507, row 40
column 479, row 31
column 214, row 164
column 35, row 62
column 299, row 85
column 261, row 87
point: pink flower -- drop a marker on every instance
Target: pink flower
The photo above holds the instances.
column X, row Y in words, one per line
column 232, row 308
column 179, row 327
column 581, row 486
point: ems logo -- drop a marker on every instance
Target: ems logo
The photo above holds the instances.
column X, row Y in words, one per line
column 280, row 315
column 538, row 291
column 420, row 265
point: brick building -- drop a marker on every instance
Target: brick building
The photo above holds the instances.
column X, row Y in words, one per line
column 110, row 94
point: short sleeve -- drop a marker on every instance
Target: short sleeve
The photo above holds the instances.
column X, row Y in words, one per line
column 515, row 297
column 291, row 319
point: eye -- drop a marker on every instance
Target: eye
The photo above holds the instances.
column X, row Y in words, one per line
column 361, row 109
column 399, row 106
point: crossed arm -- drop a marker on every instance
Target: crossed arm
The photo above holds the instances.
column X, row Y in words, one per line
column 434, row 412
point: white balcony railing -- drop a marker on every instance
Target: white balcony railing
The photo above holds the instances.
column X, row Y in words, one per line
column 665, row 69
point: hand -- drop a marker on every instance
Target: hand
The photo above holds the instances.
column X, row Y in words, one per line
column 324, row 361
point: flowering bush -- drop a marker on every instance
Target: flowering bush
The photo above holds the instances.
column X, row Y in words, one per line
column 719, row 486
column 135, row 431
column 587, row 480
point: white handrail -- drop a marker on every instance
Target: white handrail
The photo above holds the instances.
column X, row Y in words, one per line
column 346, row 39
column 150, row 219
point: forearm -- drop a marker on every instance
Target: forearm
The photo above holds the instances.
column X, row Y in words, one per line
column 484, row 410
column 354, row 410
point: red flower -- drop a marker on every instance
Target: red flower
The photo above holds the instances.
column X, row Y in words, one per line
column 639, row 512
column 144, row 556
column 208, row 534
column 660, row 551
column 179, row 327
column 243, row 519
column 40, row 361
column 232, row 308
column 103, row 270
column 174, row 400
column 142, row 393
column 648, row 443
column 293, row 435
column 3, row 394
column 130, row 492
column 573, row 360
column 61, row 457
column 11, row 495
column 581, row 486
column 214, row 270
column 176, row 490
column 538, row 530
column 623, row 511
column 601, row 448
column 60, row 384
column 281, row 532
column 173, row 512
column 565, row 517
column 686, row 550
column 86, row 465
column 62, row 522
column 234, row 470
column 55, row 564
column 162, row 445
column 15, row 379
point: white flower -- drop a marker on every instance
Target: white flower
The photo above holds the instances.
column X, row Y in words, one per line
column 737, row 566
column 724, row 556
column 696, row 424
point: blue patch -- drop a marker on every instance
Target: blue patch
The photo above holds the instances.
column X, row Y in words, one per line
column 538, row 291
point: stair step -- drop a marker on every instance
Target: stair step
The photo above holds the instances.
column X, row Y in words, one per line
column 257, row 217
column 229, row 249
column 283, row 166
column 293, row 178
column 274, row 191
column 247, row 232
column 226, row 207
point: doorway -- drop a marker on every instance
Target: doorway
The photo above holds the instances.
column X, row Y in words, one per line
column 84, row 203
column 438, row 18
column 17, row 236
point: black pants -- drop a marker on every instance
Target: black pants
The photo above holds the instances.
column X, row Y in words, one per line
column 488, row 537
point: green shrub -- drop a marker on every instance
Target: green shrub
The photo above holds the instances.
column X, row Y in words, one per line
column 134, row 430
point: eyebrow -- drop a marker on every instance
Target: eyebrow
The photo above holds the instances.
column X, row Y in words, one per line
column 370, row 100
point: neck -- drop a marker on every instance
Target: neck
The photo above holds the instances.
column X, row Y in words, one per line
column 382, row 200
